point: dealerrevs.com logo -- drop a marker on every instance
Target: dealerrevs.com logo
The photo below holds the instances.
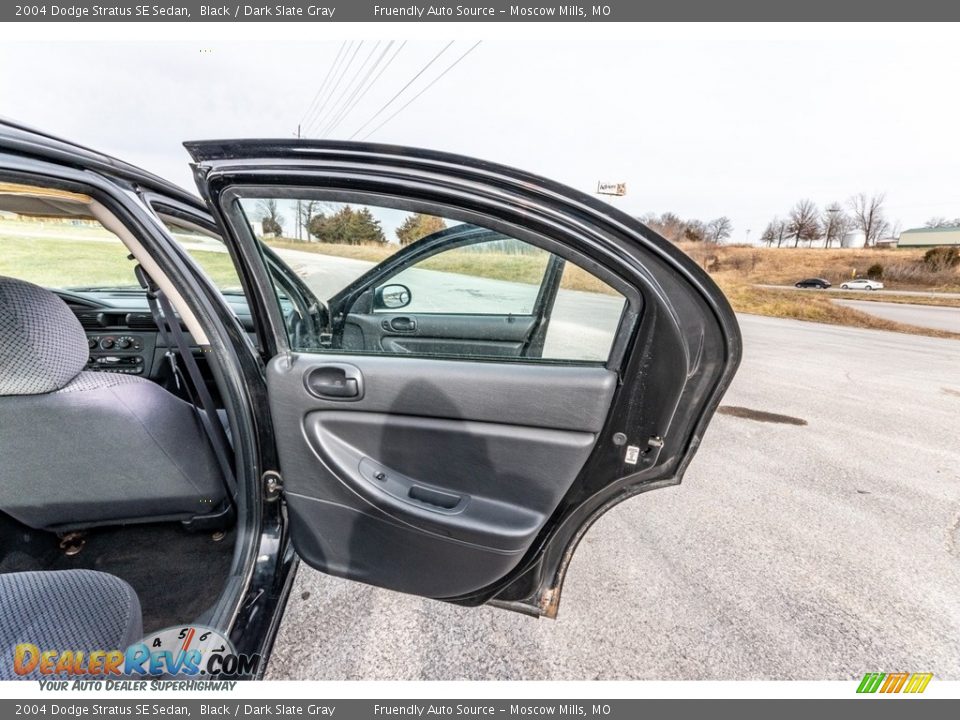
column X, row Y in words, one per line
column 910, row 683
column 190, row 651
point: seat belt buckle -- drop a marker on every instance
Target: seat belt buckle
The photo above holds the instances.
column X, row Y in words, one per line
column 174, row 368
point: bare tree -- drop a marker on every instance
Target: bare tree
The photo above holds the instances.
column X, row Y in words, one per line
column 270, row 217
column 668, row 224
column 306, row 211
column 671, row 226
column 835, row 223
column 719, row 229
column 868, row 216
column 769, row 233
column 894, row 231
column 776, row 230
column 695, row 231
column 942, row 222
column 804, row 223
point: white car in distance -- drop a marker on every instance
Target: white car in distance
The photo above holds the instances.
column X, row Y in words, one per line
column 862, row 284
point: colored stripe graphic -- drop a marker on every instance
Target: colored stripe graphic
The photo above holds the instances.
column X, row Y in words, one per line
column 871, row 682
column 894, row 682
column 918, row 682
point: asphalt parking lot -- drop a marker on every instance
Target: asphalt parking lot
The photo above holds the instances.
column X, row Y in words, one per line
column 939, row 318
column 791, row 551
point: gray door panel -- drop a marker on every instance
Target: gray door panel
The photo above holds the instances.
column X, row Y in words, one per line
column 439, row 334
column 484, row 483
column 549, row 396
column 431, row 455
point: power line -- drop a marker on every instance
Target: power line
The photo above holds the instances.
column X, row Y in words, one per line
column 325, row 98
column 344, row 69
column 358, row 92
column 401, row 91
column 324, row 83
column 430, row 85
column 350, row 89
column 325, row 111
column 372, row 83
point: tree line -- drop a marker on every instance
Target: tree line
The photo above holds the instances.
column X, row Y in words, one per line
column 942, row 222
column 676, row 229
column 806, row 223
column 346, row 225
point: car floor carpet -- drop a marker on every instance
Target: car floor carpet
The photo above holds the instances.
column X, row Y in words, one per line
column 177, row 575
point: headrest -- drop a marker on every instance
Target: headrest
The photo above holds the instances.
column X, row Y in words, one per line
column 42, row 344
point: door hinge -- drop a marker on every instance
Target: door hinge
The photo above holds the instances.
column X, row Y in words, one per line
column 272, row 485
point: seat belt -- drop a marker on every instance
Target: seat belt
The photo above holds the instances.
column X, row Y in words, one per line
column 200, row 399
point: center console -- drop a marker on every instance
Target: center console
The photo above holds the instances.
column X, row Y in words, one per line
column 120, row 353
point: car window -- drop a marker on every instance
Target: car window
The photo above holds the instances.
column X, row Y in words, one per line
column 209, row 252
column 500, row 276
column 399, row 281
column 59, row 244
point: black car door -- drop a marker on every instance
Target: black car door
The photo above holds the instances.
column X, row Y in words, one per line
column 459, row 451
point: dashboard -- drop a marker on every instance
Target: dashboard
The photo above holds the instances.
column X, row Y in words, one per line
column 122, row 336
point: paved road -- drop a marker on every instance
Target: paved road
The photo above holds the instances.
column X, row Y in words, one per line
column 815, row 551
column 837, row 289
column 930, row 316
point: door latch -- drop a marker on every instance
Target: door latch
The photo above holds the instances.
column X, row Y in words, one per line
column 633, row 453
column 272, row 485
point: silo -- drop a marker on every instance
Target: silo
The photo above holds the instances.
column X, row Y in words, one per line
column 854, row 239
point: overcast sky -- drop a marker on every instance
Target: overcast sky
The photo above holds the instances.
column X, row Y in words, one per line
column 700, row 120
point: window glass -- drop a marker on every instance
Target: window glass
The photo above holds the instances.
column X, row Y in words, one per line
column 400, row 282
column 585, row 317
column 501, row 276
column 209, row 252
column 50, row 238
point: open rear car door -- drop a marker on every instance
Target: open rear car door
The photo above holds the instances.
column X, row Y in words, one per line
column 451, row 433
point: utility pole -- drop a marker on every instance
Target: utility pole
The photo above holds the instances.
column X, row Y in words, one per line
column 299, row 209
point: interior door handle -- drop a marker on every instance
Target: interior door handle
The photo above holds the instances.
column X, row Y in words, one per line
column 336, row 381
column 403, row 324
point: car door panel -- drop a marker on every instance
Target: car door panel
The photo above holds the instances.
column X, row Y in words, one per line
column 455, row 478
column 439, row 334
column 493, row 467
column 431, row 454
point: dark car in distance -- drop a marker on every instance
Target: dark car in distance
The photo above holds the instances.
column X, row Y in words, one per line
column 818, row 283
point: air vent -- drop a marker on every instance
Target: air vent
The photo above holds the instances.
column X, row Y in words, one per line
column 89, row 318
column 140, row 320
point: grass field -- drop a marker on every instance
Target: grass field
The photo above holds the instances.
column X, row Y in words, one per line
column 813, row 308
column 739, row 269
column 53, row 262
column 902, row 269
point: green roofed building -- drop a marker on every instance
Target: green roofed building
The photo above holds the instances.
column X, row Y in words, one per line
column 929, row 237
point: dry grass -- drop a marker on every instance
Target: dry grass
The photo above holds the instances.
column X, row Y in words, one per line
column 814, row 308
column 903, row 269
column 372, row 253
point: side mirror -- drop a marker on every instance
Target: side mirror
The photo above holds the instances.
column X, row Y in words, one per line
column 392, row 297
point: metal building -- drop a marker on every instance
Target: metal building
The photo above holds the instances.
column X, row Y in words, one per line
column 929, row 237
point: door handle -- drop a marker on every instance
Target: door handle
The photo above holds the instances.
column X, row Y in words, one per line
column 336, row 381
column 403, row 324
